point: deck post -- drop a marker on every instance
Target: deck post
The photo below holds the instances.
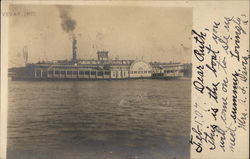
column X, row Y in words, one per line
column 53, row 76
column 77, row 72
column 35, row 73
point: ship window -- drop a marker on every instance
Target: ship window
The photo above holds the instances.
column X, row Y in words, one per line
column 100, row 73
column 107, row 73
column 75, row 73
column 44, row 74
column 63, row 72
column 93, row 72
column 86, row 72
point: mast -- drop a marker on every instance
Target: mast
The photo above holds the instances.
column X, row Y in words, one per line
column 25, row 54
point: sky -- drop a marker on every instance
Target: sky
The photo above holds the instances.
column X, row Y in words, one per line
column 127, row 32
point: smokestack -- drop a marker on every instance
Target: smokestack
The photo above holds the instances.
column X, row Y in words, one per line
column 68, row 25
column 74, row 50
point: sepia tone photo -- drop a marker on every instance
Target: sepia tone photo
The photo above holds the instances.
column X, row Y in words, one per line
column 99, row 82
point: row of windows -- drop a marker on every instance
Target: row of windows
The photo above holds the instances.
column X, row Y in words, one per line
column 139, row 72
column 92, row 72
column 117, row 74
column 124, row 74
column 107, row 62
column 80, row 73
column 101, row 72
column 105, row 72
column 170, row 71
column 133, row 72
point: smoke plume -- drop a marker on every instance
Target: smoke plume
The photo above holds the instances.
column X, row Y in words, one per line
column 68, row 23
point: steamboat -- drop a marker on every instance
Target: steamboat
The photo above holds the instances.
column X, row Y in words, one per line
column 101, row 68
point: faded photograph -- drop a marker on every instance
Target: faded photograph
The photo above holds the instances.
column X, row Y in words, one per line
column 99, row 82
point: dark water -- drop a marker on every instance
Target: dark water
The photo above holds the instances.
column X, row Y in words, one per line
column 136, row 119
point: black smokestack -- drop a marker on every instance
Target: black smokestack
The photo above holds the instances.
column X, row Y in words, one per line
column 74, row 50
column 68, row 23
